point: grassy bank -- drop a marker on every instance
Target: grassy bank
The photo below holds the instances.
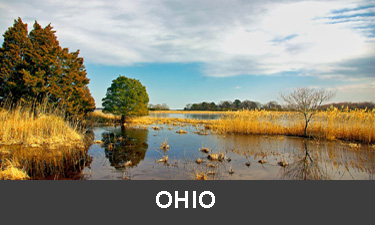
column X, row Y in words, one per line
column 38, row 145
column 20, row 126
column 99, row 117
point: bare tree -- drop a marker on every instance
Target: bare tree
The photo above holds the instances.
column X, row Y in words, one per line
column 307, row 101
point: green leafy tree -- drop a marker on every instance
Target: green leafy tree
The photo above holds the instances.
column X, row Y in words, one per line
column 34, row 67
column 126, row 97
column 237, row 104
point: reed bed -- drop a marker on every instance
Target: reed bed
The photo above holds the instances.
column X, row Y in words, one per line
column 20, row 126
column 333, row 124
column 40, row 142
column 148, row 120
column 349, row 125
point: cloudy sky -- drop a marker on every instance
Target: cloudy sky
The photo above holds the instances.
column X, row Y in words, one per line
column 211, row 50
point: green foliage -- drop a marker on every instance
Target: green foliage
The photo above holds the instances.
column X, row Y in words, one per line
column 34, row 67
column 126, row 97
column 227, row 105
column 159, row 107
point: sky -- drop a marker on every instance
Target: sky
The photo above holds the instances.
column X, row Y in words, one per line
column 191, row 51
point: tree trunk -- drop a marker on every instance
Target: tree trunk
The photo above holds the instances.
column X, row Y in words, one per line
column 122, row 120
column 35, row 113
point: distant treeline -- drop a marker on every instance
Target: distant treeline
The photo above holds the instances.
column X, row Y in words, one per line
column 272, row 105
column 235, row 105
column 350, row 105
column 158, row 107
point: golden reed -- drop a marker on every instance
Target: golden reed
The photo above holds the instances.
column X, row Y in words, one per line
column 350, row 125
column 38, row 146
column 332, row 124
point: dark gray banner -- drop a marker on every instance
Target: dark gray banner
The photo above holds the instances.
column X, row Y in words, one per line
column 234, row 201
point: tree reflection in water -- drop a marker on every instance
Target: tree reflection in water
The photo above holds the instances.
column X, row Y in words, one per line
column 306, row 168
column 124, row 146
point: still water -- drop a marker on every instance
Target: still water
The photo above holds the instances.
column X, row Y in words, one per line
column 200, row 116
column 306, row 159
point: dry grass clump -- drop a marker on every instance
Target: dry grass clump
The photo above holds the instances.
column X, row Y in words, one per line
column 200, row 176
column 181, row 132
column 98, row 116
column 155, row 128
column 11, row 171
column 282, row 163
column 215, row 156
column 164, row 146
column 204, row 149
column 21, row 127
column 163, row 159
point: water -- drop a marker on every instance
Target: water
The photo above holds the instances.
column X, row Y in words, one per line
column 200, row 116
column 325, row 159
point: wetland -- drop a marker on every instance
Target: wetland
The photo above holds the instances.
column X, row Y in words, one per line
column 137, row 153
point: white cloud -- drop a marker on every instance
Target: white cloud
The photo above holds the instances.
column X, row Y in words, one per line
column 227, row 37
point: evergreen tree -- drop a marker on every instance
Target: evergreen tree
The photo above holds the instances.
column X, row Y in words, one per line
column 34, row 67
column 13, row 63
column 126, row 97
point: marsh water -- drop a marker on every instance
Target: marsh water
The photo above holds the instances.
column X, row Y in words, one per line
column 200, row 116
column 246, row 157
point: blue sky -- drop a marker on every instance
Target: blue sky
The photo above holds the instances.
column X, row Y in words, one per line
column 194, row 51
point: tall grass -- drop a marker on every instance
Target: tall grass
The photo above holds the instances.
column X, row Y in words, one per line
column 39, row 143
column 350, row 125
column 19, row 125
